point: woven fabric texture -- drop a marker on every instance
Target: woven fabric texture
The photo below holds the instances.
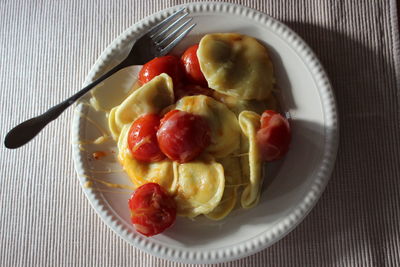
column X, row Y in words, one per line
column 47, row 48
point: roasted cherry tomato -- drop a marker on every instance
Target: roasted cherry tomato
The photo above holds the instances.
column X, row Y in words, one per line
column 191, row 89
column 183, row 136
column 142, row 138
column 273, row 138
column 152, row 209
column 192, row 67
column 170, row 65
column 266, row 117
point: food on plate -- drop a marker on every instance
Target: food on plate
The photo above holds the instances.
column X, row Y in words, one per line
column 200, row 186
column 141, row 172
column 142, row 138
column 99, row 154
column 251, row 165
column 152, row 209
column 182, row 135
column 238, row 105
column 273, row 138
column 152, row 97
column 190, row 90
column 192, row 67
column 232, row 173
column 225, row 131
column 237, row 65
column 167, row 64
column 199, row 130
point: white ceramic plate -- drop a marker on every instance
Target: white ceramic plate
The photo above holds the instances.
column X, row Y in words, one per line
column 291, row 188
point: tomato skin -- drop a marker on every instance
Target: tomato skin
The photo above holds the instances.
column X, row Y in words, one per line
column 190, row 90
column 273, row 138
column 142, row 138
column 266, row 117
column 152, row 209
column 192, row 67
column 170, row 65
column 183, row 136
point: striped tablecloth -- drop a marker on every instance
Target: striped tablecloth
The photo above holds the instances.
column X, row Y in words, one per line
column 47, row 48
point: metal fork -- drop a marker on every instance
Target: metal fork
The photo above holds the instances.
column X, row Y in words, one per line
column 156, row 42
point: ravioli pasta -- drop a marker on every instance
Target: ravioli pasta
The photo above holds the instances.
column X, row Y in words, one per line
column 232, row 172
column 236, row 65
column 150, row 98
column 238, row 105
column 252, row 165
column 225, row 131
column 200, row 186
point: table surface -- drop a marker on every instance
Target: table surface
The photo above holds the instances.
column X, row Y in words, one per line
column 47, row 48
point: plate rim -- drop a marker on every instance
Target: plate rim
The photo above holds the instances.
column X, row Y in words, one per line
column 298, row 213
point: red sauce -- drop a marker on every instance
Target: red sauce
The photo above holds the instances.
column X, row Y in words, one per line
column 99, row 154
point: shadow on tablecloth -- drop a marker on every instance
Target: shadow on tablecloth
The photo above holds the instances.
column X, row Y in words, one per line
column 357, row 217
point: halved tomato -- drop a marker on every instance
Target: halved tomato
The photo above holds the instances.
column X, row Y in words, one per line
column 152, row 209
column 273, row 138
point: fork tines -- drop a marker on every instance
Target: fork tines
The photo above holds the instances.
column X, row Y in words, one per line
column 171, row 30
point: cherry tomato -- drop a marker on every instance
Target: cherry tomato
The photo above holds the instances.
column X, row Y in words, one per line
column 273, row 138
column 266, row 117
column 152, row 209
column 192, row 67
column 183, row 136
column 191, row 89
column 170, row 65
column 142, row 138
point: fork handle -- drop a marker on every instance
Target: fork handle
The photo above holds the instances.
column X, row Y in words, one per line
column 27, row 130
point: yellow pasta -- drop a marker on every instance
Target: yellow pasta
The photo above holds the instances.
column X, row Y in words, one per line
column 252, row 165
column 237, row 65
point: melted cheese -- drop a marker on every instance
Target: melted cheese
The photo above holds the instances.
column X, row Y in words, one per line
column 200, row 186
column 225, row 130
column 236, row 65
column 251, row 165
column 150, row 98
